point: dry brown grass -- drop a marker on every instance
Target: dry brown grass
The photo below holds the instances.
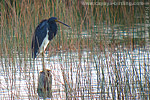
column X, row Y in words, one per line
column 89, row 31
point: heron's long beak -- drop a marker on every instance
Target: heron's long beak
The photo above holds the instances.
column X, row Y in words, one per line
column 62, row 23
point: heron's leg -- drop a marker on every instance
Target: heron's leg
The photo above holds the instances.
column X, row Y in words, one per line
column 43, row 61
column 42, row 79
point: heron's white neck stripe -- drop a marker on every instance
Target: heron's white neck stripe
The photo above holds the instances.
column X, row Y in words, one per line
column 44, row 43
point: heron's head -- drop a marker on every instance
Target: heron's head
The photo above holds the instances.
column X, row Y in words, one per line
column 54, row 19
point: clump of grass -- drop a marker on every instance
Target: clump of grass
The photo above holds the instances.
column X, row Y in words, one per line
column 93, row 28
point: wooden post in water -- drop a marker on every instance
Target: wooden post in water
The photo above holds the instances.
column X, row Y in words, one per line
column 45, row 84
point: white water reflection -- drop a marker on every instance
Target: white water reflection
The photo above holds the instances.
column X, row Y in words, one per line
column 85, row 74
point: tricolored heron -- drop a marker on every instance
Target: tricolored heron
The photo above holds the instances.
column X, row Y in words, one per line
column 44, row 32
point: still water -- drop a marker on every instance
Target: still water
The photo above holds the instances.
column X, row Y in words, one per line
column 84, row 74
column 87, row 74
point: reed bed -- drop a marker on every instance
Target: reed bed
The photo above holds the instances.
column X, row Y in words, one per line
column 105, row 54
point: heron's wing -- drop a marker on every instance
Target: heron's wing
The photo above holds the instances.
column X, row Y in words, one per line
column 39, row 35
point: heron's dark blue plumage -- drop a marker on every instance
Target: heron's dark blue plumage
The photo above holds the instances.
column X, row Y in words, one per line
column 40, row 39
column 41, row 32
column 52, row 28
